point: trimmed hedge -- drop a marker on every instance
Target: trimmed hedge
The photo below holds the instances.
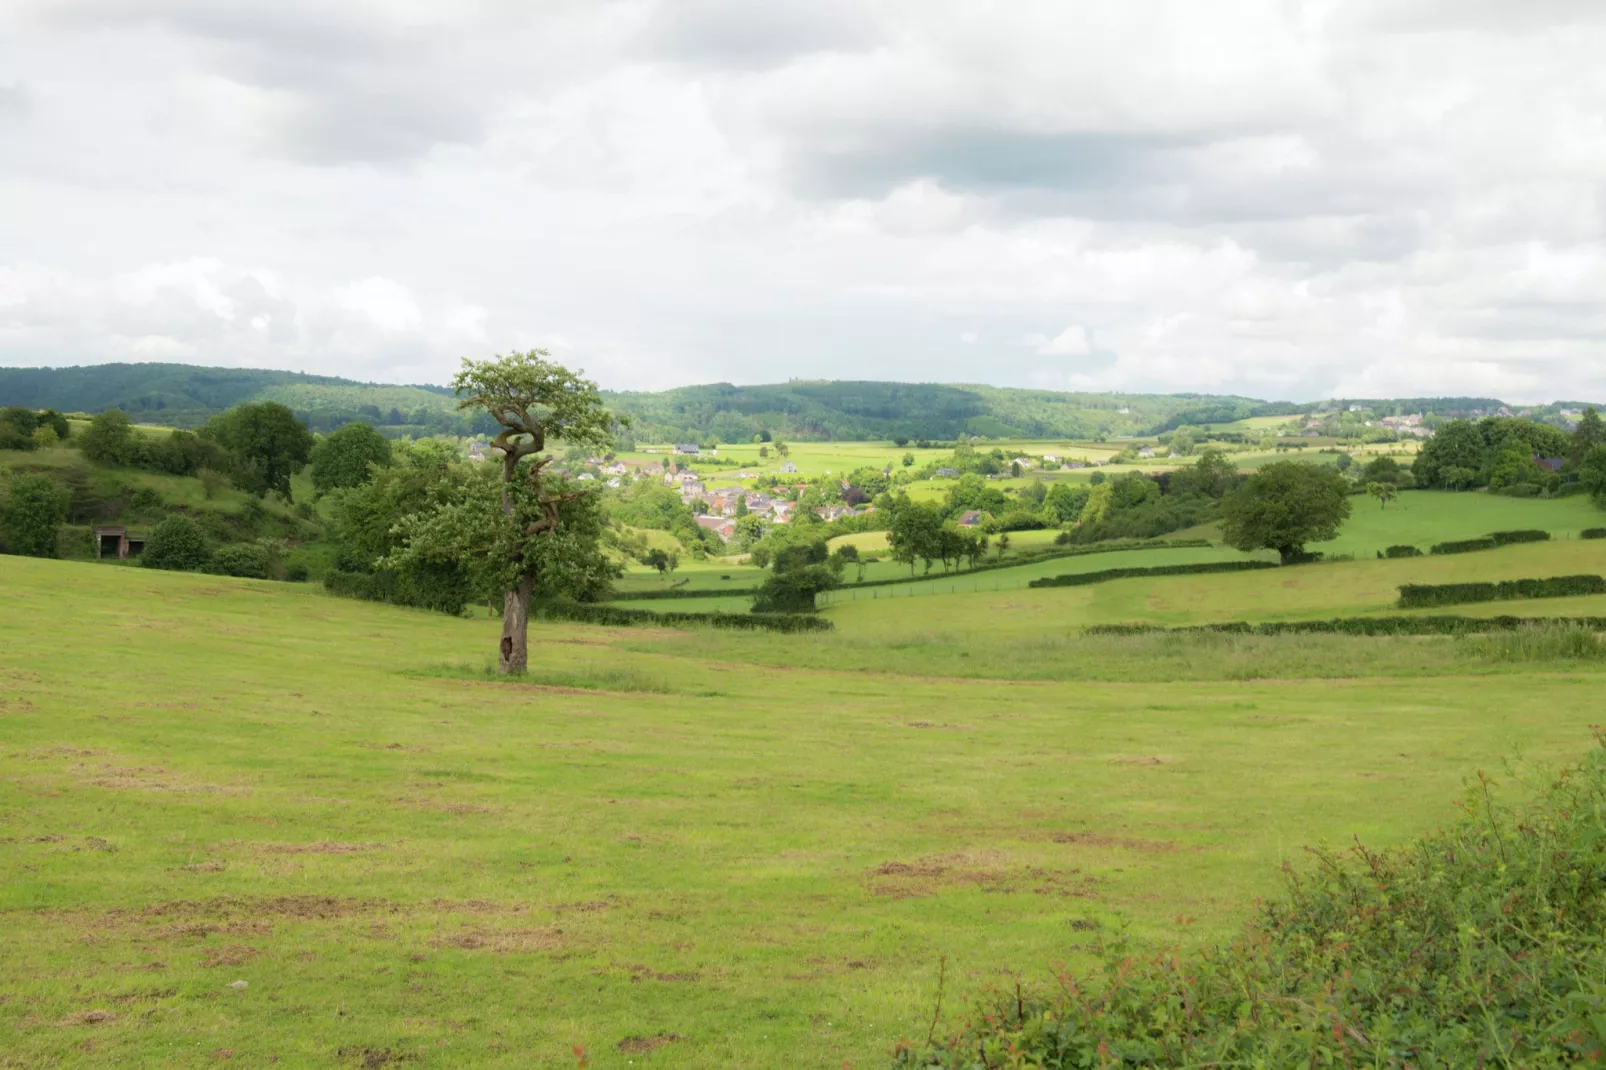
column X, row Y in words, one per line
column 1032, row 557
column 1418, row 595
column 613, row 616
column 1593, row 533
column 1506, row 538
column 442, row 591
column 1400, row 551
column 1385, row 626
column 681, row 592
column 1082, row 579
column 1465, row 546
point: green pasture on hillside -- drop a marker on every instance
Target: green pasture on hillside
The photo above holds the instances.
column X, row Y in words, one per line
column 675, row 848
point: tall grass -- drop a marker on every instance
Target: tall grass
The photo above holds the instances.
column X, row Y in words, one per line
column 1549, row 641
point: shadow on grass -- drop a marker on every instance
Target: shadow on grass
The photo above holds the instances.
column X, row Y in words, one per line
column 580, row 678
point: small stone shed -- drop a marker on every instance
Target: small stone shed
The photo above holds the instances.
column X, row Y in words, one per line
column 115, row 541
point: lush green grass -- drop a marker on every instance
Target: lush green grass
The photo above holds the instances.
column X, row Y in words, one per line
column 1423, row 517
column 206, row 780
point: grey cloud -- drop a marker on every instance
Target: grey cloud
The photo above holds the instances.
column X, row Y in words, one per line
column 744, row 34
column 15, row 101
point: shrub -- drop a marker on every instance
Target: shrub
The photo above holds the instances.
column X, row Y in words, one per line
column 1521, row 490
column 1593, row 533
column 296, row 573
column 443, row 587
column 1080, row 579
column 1418, row 595
column 212, row 482
column 32, row 510
column 1464, row 546
column 1506, row 538
column 176, row 543
column 246, row 560
column 1401, row 551
column 793, row 591
column 1477, row 945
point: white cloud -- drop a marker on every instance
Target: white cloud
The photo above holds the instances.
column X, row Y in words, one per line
column 1272, row 197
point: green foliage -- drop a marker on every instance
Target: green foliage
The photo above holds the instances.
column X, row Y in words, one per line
column 1374, row 626
column 1479, row 945
column 109, row 439
column 1508, row 538
column 467, row 529
column 266, row 445
column 1083, row 579
column 177, row 544
column 17, row 427
column 1463, row 546
column 1541, row 641
column 1400, row 551
column 246, row 560
column 342, row 458
column 615, row 617
column 1419, row 595
column 438, row 585
column 793, row 590
column 32, row 510
column 1592, row 533
column 1283, row 506
column 1590, row 432
column 1592, row 474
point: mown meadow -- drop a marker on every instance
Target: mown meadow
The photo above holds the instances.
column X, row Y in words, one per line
column 249, row 821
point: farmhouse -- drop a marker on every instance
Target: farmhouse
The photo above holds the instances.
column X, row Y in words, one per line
column 719, row 525
column 1146, row 451
column 688, row 448
column 969, row 518
column 617, row 468
column 789, row 467
column 1051, row 458
column 782, row 511
column 1550, row 464
column 947, row 473
column 829, row 513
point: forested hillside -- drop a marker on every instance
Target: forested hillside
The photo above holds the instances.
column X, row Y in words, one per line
column 180, row 395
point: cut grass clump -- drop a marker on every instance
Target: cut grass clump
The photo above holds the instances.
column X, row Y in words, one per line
column 1479, row 945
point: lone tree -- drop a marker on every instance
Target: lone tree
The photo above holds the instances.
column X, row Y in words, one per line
column 1384, row 492
column 534, row 401
column 1283, row 506
column 266, row 445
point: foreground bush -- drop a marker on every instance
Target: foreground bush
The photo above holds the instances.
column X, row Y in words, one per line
column 176, row 543
column 1480, row 945
column 32, row 510
column 1417, row 595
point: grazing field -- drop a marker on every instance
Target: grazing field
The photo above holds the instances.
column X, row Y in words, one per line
column 671, row 848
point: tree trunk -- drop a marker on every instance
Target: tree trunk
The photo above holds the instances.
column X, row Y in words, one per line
column 515, row 649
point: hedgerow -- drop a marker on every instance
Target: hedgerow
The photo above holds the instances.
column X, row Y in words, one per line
column 1080, row 579
column 614, row 616
column 1418, row 595
column 1436, row 625
column 1463, row 546
column 1593, row 533
column 1400, row 551
column 1480, row 945
column 1506, row 538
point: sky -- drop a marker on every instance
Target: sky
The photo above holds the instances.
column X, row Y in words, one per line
column 1277, row 198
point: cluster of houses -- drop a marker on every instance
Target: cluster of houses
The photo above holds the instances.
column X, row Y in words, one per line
column 721, row 505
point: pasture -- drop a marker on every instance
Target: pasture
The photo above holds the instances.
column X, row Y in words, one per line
column 681, row 848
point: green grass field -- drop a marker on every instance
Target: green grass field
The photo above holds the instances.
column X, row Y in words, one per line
column 672, row 848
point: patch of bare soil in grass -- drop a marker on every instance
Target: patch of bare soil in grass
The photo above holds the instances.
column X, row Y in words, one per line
column 501, row 941
column 646, row 973
column 96, row 1017
column 442, row 806
column 643, row 1045
column 1095, row 839
column 322, row 847
column 931, row 876
column 232, row 955
column 1139, row 759
column 370, row 1057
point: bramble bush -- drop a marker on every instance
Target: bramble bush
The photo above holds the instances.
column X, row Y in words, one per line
column 1478, row 945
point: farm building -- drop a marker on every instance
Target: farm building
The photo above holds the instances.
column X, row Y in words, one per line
column 969, row 518
column 688, row 448
column 115, row 541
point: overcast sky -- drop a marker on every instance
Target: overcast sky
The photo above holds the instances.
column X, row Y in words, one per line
column 1283, row 198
